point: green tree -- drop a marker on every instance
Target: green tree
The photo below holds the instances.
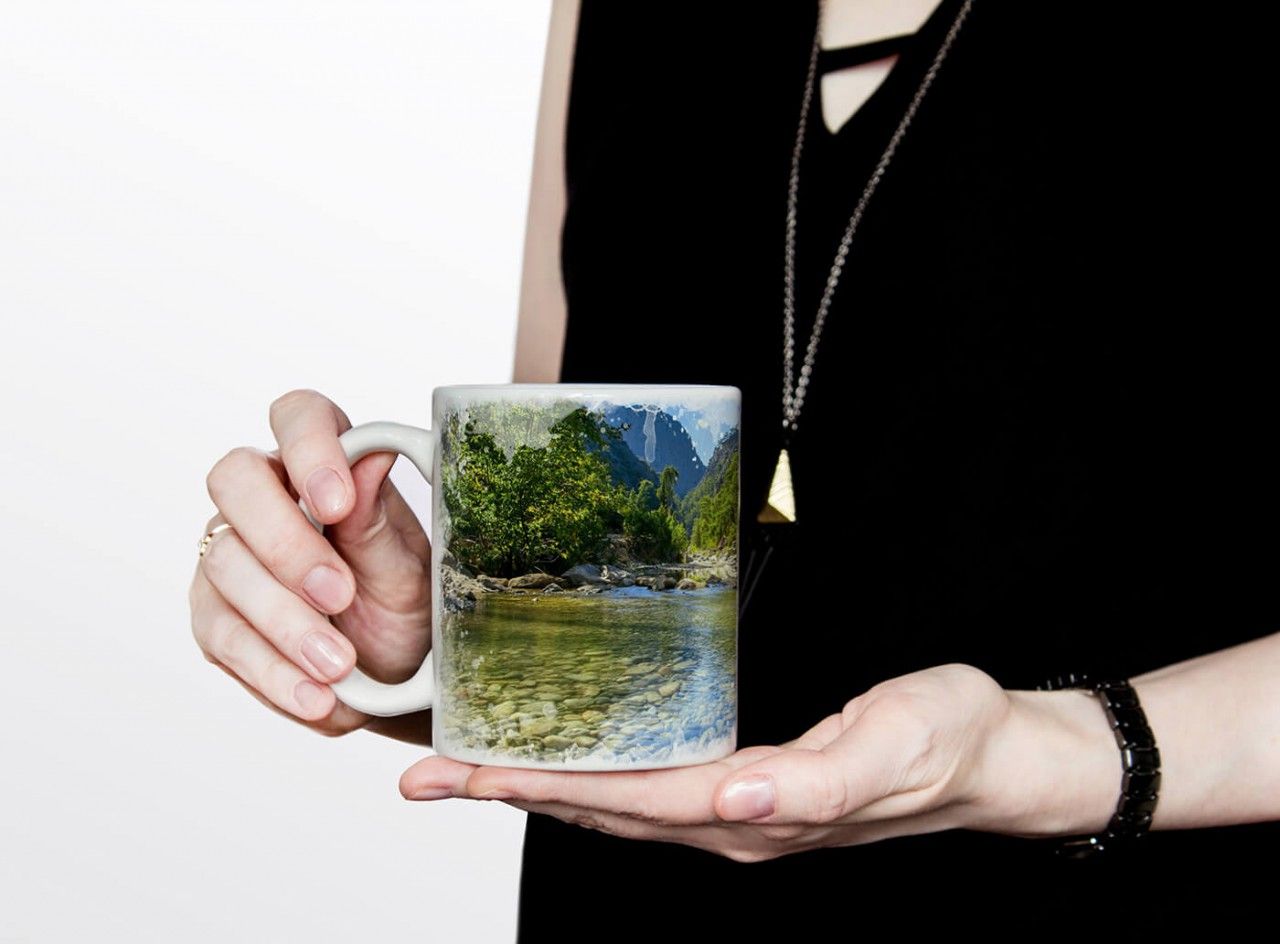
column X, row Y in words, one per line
column 654, row 533
column 547, row 507
column 715, row 525
column 645, row 497
column 667, row 488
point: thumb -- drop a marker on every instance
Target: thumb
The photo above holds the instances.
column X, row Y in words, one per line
column 379, row 520
column 794, row 786
column 814, row 786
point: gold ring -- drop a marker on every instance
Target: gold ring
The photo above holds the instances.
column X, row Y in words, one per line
column 208, row 538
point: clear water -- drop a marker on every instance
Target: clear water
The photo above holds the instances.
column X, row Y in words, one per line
column 626, row 678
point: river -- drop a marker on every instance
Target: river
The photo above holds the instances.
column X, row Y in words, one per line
column 627, row 678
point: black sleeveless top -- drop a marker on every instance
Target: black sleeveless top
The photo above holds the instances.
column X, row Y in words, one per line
column 1045, row 371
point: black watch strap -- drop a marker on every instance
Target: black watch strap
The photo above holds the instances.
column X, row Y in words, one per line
column 1140, row 783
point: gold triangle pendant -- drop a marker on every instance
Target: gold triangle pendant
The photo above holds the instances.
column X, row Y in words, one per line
column 780, row 508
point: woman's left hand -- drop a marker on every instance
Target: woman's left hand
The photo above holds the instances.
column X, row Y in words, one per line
column 938, row 749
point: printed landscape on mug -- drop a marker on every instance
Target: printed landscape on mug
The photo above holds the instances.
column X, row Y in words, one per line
column 589, row 581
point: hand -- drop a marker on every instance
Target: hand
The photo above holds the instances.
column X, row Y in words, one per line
column 263, row 593
column 937, row 749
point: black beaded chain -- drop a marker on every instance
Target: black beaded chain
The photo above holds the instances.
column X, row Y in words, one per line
column 1140, row 786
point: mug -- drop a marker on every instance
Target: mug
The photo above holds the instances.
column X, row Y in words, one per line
column 585, row 572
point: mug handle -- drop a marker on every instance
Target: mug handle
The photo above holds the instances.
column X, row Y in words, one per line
column 357, row 689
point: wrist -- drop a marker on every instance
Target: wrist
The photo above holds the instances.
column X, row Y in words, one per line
column 1049, row 768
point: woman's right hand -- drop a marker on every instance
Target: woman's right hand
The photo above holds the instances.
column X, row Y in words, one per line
column 264, row 592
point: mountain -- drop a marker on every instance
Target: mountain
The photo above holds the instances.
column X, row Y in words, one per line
column 625, row 467
column 659, row 439
column 726, row 449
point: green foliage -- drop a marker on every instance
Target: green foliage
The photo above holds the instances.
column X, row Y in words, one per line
column 667, row 488
column 542, row 487
column 653, row 533
column 653, row 530
column 546, row 508
column 715, row 525
column 645, row 497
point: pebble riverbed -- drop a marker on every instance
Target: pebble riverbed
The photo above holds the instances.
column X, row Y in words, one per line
column 629, row 678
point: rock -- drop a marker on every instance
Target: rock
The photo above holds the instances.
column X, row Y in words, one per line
column 592, row 716
column 492, row 583
column 459, row 591
column 503, row 710
column 555, row 742
column 641, row 668
column 644, row 582
column 531, row 582
column 552, row 588
column 684, row 664
column 574, row 704
column 590, row 691
column 452, row 563
column 616, row 576
column 539, row 727
column 584, row 740
column 661, row 570
column 652, row 697
column 584, row 575
column 582, row 677
column 686, row 584
column 714, row 581
column 666, row 691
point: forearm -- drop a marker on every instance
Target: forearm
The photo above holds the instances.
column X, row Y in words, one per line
column 1216, row 719
column 1053, row 768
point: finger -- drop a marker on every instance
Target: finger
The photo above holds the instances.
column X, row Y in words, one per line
column 742, row 843
column 288, row 622
column 820, row 735
column 248, row 487
column 229, row 641
column 676, row 796
column 381, row 538
column 804, row 785
column 307, row 424
column 435, row 778
column 341, row 720
column 614, row 824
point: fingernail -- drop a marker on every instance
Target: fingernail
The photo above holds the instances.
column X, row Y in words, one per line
column 433, row 793
column 748, row 799
column 310, row 697
column 327, row 588
column 325, row 654
column 325, row 491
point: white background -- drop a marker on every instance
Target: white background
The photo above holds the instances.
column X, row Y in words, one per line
column 202, row 205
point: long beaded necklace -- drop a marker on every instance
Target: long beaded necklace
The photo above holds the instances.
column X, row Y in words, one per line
column 780, row 507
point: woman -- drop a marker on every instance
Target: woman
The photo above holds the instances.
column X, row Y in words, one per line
column 1033, row 441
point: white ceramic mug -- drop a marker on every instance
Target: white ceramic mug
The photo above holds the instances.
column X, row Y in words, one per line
column 584, row 574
